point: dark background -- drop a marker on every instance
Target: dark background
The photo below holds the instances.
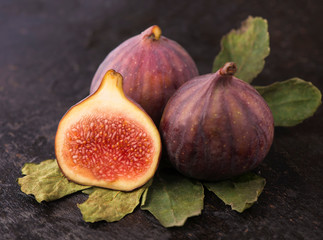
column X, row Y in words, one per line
column 49, row 52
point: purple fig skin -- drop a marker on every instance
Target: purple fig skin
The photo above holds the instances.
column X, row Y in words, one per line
column 217, row 126
column 153, row 67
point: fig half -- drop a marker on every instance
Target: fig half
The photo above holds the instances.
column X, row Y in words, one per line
column 153, row 67
column 107, row 140
column 217, row 126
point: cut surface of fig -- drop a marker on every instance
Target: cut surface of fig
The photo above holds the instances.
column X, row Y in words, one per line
column 153, row 67
column 216, row 126
column 107, row 140
column 111, row 147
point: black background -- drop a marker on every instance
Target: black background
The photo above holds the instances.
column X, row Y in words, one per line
column 49, row 52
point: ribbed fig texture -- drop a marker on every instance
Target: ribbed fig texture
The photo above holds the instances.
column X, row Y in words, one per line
column 216, row 126
column 153, row 67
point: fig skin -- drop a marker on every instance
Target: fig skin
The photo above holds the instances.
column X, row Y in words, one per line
column 153, row 67
column 216, row 126
column 107, row 140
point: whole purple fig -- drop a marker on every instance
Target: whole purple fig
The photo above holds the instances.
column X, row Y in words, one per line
column 216, row 126
column 153, row 67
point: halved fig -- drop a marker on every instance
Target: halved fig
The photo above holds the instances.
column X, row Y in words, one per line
column 107, row 140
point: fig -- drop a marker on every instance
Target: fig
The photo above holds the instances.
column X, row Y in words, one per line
column 216, row 126
column 153, row 67
column 107, row 140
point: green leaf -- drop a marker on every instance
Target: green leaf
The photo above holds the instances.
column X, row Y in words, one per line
column 247, row 47
column 291, row 101
column 173, row 198
column 109, row 205
column 46, row 182
column 240, row 193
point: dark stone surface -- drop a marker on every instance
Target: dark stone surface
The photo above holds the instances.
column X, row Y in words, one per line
column 49, row 51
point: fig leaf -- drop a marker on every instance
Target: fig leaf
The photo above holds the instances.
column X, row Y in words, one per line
column 109, row 205
column 240, row 193
column 46, row 182
column 291, row 101
column 247, row 47
column 173, row 198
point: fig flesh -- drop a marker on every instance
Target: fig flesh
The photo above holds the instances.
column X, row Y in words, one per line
column 153, row 67
column 107, row 140
column 217, row 126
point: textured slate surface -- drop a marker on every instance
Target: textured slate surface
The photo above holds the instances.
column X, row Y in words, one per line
column 49, row 51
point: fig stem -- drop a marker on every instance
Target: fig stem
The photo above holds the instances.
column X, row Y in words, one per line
column 228, row 69
column 155, row 32
column 112, row 82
